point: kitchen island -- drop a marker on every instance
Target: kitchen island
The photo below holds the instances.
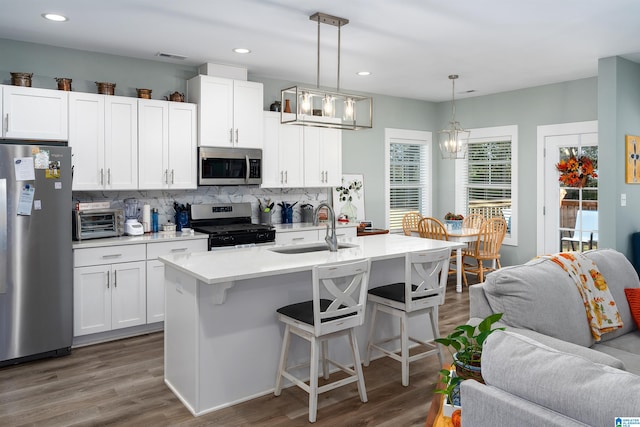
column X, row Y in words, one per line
column 222, row 337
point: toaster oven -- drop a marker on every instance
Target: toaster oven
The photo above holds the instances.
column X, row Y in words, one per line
column 97, row 223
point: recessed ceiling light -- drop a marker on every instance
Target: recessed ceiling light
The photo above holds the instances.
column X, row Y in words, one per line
column 55, row 17
column 241, row 50
column 364, row 73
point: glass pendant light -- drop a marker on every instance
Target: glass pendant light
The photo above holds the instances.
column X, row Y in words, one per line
column 454, row 139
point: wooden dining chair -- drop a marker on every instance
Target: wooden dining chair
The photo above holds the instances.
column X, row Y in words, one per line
column 410, row 222
column 485, row 248
column 473, row 221
column 432, row 228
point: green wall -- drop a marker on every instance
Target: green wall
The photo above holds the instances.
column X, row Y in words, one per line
column 619, row 115
column 573, row 101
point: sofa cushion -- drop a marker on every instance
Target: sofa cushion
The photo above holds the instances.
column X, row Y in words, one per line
column 563, row 382
column 619, row 274
column 633, row 298
column 542, row 297
column 626, row 348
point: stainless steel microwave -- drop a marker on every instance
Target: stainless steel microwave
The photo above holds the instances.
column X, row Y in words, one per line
column 229, row 166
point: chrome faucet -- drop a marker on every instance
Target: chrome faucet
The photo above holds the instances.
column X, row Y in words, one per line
column 330, row 238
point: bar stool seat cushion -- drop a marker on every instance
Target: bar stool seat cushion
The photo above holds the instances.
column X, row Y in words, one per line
column 395, row 292
column 303, row 311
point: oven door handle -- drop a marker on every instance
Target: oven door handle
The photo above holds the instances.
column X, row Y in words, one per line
column 246, row 179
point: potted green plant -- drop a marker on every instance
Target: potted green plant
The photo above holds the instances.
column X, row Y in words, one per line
column 451, row 390
column 467, row 341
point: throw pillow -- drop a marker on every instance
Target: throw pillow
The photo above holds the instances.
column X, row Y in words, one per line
column 633, row 297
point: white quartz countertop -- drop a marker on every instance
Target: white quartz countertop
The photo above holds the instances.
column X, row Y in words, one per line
column 302, row 226
column 259, row 261
column 163, row 236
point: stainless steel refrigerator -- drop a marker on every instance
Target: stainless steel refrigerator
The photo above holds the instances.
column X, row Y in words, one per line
column 36, row 270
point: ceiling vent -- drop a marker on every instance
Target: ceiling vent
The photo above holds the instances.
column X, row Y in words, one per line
column 171, row 56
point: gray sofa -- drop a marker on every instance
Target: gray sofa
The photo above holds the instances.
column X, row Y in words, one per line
column 547, row 369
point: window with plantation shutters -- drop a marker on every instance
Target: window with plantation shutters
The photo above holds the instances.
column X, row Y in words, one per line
column 408, row 175
column 485, row 179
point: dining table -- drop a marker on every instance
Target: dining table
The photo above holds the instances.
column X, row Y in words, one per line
column 461, row 235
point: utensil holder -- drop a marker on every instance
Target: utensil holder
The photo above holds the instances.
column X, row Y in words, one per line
column 265, row 217
column 287, row 215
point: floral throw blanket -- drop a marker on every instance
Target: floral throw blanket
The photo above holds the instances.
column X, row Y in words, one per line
column 602, row 312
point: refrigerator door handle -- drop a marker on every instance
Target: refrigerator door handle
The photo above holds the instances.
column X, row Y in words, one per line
column 3, row 235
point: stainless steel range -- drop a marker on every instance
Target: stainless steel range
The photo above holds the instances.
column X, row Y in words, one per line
column 229, row 224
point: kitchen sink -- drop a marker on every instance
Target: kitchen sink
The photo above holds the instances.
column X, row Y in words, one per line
column 303, row 249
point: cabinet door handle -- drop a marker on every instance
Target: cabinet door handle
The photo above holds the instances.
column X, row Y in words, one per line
column 172, row 175
column 166, row 171
column 231, row 136
column 297, row 238
column 115, row 279
column 109, row 176
column 236, row 136
column 7, row 122
column 286, row 177
column 111, row 256
column 326, row 176
column 179, row 250
column 101, row 176
column 281, row 177
column 108, row 278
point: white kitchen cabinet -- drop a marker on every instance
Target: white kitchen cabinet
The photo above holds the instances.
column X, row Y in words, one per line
column 31, row 113
column 229, row 111
column 167, row 145
column 103, row 136
column 322, row 157
column 155, row 272
column 109, row 295
column 282, row 155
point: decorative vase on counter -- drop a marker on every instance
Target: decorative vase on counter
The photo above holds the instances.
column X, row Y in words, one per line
column 350, row 210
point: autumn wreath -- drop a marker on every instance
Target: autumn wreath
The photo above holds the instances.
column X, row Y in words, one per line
column 575, row 171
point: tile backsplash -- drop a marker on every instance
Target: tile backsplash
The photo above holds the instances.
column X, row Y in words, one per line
column 164, row 199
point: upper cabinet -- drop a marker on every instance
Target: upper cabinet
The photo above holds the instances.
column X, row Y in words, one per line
column 282, row 155
column 322, row 157
column 167, row 145
column 30, row 113
column 229, row 111
column 103, row 136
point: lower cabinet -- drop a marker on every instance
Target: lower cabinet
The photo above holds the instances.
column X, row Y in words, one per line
column 118, row 287
column 287, row 237
column 109, row 296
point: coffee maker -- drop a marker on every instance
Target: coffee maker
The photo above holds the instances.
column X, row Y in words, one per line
column 132, row 226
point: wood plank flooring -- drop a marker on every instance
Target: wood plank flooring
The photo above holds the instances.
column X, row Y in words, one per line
column 121, row 384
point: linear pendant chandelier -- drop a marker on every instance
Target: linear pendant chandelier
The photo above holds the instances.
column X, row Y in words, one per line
column 453, row 140
column 317, row 107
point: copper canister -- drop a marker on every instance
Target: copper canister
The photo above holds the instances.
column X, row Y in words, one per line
column 21, row 79
column 105, row 88
column 64, row 83
column 144, row 93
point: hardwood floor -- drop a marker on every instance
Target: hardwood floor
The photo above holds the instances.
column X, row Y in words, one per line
column 121, row 383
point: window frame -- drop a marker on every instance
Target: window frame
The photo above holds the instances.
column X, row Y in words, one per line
column 406, row 136
column 489, row 134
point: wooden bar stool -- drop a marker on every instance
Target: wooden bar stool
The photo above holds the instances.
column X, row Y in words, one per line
column 337, row 308
column 421, row 293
